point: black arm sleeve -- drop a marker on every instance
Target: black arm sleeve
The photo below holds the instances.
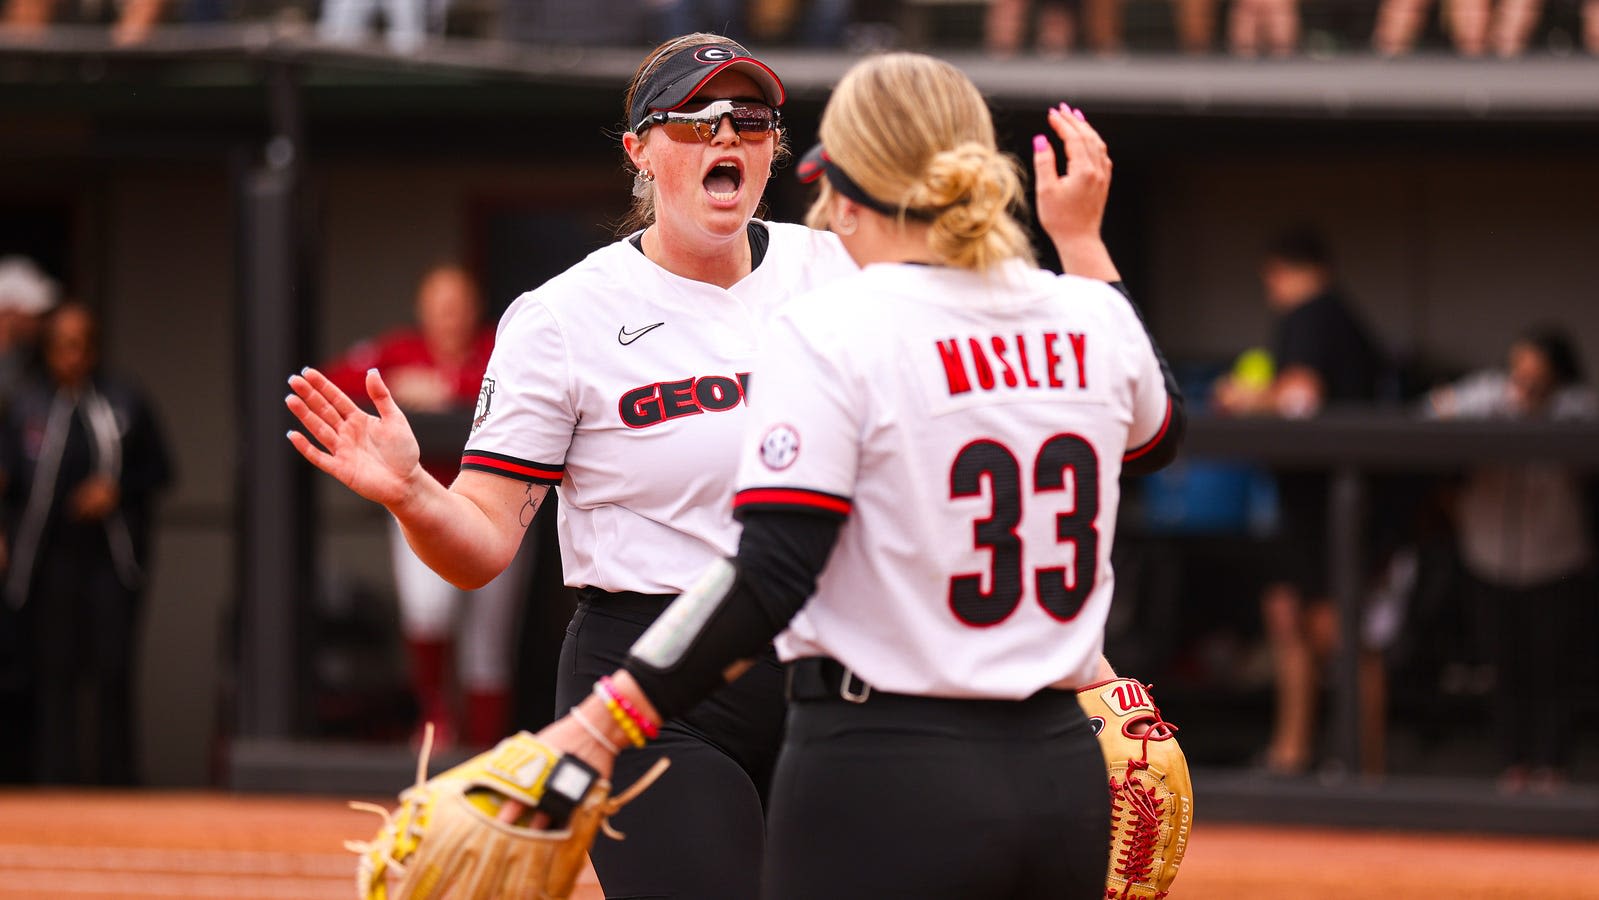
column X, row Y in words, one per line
column 779, row 556
column 1158, row 453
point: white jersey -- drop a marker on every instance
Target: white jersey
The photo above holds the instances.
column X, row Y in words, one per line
column 623, row 385
column 972, row 427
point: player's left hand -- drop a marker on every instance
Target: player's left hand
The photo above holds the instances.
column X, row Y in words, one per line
column 1071, row 205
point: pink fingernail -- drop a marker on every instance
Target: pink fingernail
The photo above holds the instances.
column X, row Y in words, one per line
column 1079, row 114
column 1040, row 144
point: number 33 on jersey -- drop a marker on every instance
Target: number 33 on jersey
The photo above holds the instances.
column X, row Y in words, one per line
column 972, row 427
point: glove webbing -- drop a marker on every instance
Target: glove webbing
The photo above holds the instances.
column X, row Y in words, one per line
column 409, row 832
column 1130, row 796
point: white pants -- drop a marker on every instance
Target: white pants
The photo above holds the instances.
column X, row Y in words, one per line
column 483, row 622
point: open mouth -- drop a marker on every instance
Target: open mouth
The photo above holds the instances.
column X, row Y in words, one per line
column 723, row 181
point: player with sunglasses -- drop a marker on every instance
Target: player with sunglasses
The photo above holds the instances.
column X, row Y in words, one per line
column 621, row 382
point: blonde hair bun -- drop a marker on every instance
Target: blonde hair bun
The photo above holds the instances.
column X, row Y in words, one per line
column 913, row 132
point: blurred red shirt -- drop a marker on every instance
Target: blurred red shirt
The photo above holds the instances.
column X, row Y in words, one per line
column 419, row 381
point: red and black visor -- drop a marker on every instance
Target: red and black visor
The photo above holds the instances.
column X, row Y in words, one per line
column 683, row 73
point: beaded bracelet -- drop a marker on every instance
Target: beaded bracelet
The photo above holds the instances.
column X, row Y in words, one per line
column 635, row 734
column 594, row 731
column 651, row 730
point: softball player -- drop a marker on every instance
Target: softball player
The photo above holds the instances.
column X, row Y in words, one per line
column 932, row 458
column 627, row 391
column 622, row 382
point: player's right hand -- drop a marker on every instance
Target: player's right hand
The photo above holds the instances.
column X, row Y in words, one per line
column 375, row 456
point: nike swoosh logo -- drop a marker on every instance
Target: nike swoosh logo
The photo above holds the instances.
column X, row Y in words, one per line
column 625, row 337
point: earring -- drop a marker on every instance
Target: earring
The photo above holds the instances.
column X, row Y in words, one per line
column 844, row 228
column 641, row 183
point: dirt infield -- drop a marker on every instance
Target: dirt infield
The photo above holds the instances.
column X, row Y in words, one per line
column 89, row 846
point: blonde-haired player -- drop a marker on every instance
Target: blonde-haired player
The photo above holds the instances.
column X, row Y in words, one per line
column 929, row 489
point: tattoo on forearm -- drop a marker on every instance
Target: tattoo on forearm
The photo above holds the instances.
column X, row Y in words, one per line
column 530, row 506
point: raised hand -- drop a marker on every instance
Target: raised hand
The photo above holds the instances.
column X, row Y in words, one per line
column 1071, row 206
column 375, row 456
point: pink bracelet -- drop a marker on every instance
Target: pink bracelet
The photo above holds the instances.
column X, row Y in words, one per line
column 650, row 729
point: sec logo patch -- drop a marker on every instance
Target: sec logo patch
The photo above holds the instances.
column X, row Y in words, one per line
column 780, row 447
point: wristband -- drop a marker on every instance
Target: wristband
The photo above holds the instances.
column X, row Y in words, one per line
column 565, row 788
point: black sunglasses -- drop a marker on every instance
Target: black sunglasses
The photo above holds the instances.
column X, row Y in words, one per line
column 752, row 121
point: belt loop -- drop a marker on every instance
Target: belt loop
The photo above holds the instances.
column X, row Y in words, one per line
column 855, row 696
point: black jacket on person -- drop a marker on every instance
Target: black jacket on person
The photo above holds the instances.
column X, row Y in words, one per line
column 112, row 429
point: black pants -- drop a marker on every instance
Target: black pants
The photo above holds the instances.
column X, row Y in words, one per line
column 932, row 799
column 1535, row 646
column 699, row 832
column 85, row 627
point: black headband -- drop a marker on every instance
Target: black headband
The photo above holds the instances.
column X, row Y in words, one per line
column 816, row 163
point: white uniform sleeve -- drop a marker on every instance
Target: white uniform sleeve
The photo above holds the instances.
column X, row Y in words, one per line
column 525, row 416
column 802, row 447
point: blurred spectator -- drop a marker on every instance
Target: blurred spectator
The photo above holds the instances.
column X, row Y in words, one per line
column 1526, row 540
column 139, row 18
column 406, row 21
column 433, row 367
column 1476, row 27
column 1321, row 355
column 27, row 17
column 84, row 460
column 26, row 294
column 1270, row 27
column 1010, row 21
column 591, row 23
column 1195, row 24
column 136, row 19
column 670, row 18
column 812, row 23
